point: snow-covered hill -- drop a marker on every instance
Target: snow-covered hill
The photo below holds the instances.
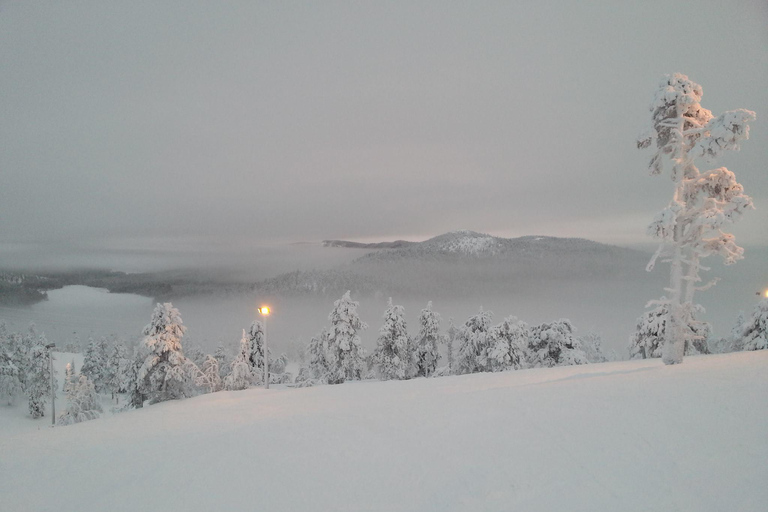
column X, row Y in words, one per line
column 627, row 436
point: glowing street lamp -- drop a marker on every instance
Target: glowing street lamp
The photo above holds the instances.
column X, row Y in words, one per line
column 264, row 310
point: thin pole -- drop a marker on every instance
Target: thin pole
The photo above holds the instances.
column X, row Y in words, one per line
column 266, row 356
column 53, row 389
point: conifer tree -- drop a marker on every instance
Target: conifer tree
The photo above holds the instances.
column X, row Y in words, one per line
column 427, row 342
column 393, row 357
column 82, row 403
column 162, row 375
column 690, row 227
column 473, row 343
column 345, row 355
column 38, row 385
column 507, row 345
column 553, row 344
column 209, row 377
column 754, row 332
column 648, row 339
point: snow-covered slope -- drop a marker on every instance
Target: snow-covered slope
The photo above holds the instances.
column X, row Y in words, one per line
column 628, row 436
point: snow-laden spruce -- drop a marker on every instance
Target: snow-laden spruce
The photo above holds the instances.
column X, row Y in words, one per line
column 82, row 403
column 162, row 374
column 553, row 344
column 690, row 227
column 393, row 356
column 427, row 342
column 648, row 339
column 507, row 345
column 345, row 356
column 118, row 369
column 96, row 364
column 753, row 334
column 472, row 338
column 38, row 378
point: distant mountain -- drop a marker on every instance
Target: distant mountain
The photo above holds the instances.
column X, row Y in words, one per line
column 466, row 261
column 397, row 244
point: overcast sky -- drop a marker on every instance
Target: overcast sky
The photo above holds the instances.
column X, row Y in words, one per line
column 301, row 121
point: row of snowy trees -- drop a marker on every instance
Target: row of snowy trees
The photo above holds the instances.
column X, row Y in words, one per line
column 749, row 333
column 336, row 355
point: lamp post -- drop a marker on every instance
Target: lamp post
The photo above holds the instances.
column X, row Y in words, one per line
column 53, row 385
column 264, row 310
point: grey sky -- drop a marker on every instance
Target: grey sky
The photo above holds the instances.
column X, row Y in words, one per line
column 286, row 121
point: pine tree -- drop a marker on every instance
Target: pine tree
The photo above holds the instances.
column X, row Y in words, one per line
column 507, row 345
column 69, row 377
column 38, row 386
column 317, row 351
column 689, row 228
column 82, row 403
column 345, row 355
column 427, row 342
column 10, row 382
column 553, row 344
column 252, row 351
column 222, row 357
column 393, row 357
column 96, row 364
column 240, row 375
column 754, row 332
column 473, row 343
column 450, row 342
column 162, row 375
column 648, row 339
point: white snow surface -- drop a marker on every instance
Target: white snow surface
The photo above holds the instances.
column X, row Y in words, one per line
column 623, row 436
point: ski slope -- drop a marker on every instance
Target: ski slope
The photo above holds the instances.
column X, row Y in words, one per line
column 624, row 436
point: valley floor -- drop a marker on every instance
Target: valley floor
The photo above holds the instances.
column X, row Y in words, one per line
column 624, row 436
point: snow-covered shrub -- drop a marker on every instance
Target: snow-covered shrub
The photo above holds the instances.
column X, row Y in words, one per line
column 507, row 345
column 209, row 377
column 240, row 375
column 345, row 356
column 82, row 403
column 393, row 356
column 754, row 332
column 472, row 338
column 427, row 342
column 690, row 227
column 553, row 344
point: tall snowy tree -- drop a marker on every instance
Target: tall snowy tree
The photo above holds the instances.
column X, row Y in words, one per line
column 10, row 382
column 450, row 342
column 553, row 344
column 162, row 376
column 754, row 332
column 38, row 385
column 648, row 339
column 507, row 345
column 690, row 227
column 209, row 377
column 472, row 339
column 96, row 363
column 252, row 351
column 345, row 355
column 118, row 369
column 318, row 359
column 393, row 356
column 427, row 342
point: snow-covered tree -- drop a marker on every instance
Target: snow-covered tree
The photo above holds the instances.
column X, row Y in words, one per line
column 82, row 403
column 38, row 385
column 96, row 364
column 252, row 351
column 690, row 227
column 163, row 376
column 450, row 342
column 427, row 342
column 209, row 377
column 10, row 382
column 118, row 369
column 69, row 377
column 507, row 345
column 393, row 357
column 472, row 339
column 318, row 362
column 345, row 355
column 222, row 357
column 553, row 344
column 240, row 375
column 648, row 339
column 592, row 345
column 754, row 332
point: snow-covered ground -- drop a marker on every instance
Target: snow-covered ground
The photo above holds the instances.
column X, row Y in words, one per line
column 625, row 436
